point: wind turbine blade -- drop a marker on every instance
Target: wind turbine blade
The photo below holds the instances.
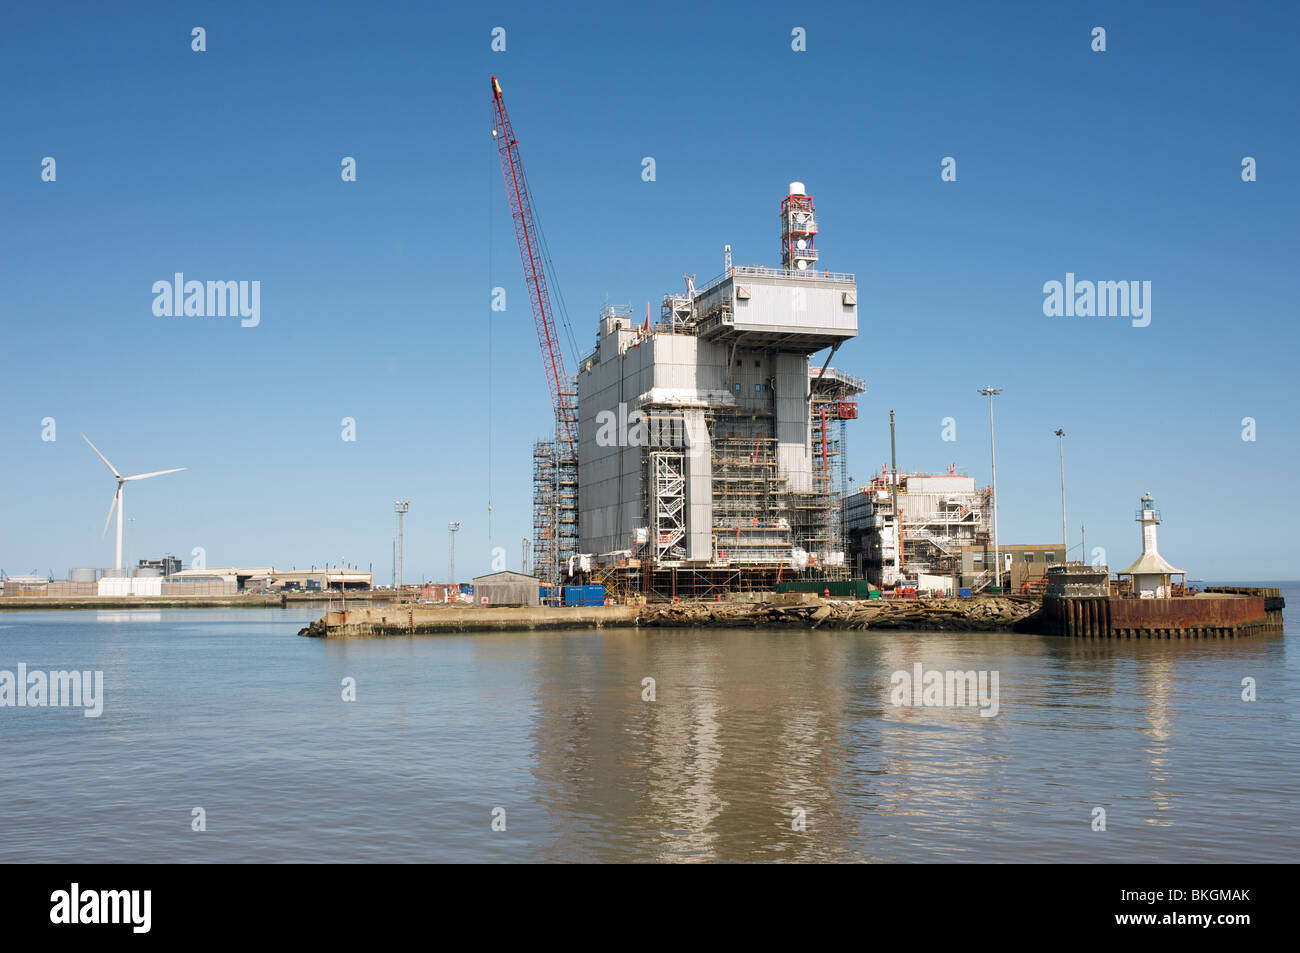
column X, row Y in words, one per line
column 100, row 455
column 111, row 507
column 145, row 476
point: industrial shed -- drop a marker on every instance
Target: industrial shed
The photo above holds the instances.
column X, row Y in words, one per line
column 507, row 588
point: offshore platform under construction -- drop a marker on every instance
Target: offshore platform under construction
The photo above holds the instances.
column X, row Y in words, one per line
column 704, row 453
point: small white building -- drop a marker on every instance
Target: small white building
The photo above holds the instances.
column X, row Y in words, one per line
column 130, row 586
column 1152, row 575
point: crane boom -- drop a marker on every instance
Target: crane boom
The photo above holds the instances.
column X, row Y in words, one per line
column 534, row 273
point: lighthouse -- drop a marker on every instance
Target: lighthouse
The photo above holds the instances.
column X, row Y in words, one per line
column 1151, row 573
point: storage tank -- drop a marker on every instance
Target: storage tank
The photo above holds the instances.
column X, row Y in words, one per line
column 83, row 575
column 144, row 572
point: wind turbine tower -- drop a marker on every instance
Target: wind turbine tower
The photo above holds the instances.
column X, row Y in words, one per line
column 117, row 503
column 451, row 537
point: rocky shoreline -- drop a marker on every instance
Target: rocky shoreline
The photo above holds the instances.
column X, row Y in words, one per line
column 985, row 614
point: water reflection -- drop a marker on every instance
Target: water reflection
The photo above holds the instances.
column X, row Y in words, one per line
column 750, row 727
column 1155, row 687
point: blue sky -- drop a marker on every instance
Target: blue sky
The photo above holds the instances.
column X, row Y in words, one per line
column 224, row 165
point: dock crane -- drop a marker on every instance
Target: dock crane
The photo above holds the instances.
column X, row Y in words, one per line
column 526, row 231
column 548, row 544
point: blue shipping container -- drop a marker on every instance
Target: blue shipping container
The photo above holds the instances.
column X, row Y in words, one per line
column 963, row 593
column 584, row 595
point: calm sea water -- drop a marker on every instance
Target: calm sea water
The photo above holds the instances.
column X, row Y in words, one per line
column 232, row 712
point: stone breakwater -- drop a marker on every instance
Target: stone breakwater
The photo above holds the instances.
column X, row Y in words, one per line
column 981, row 614
column 796, row 610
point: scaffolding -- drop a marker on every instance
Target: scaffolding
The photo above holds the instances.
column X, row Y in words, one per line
column 833, row 400
column 545, row 511
column 751, row 506
column 668, row 490
column 663, row 583
column 555, row 509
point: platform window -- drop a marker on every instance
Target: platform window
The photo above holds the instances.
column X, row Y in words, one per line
column 1051, row 557
column 1029, row 557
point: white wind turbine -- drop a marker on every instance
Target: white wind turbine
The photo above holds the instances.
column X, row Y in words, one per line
column 117, row 497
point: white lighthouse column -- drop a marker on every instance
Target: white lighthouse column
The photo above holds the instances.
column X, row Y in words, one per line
column 1148, row 533
column 1148, row 519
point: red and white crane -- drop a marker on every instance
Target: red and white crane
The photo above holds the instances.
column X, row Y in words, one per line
column 530, row 251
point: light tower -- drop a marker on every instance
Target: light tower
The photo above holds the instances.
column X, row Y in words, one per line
column 451, row 550
column 399, row 554
column 893, row 486
column 1065, row 541
column 990, row 393
column 528, row 545
column 798, row 229
column 1151, row 572
column 1149, row 518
